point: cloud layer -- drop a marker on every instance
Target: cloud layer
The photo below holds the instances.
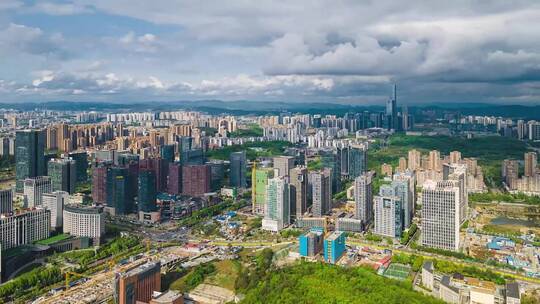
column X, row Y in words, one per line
column 334, row 51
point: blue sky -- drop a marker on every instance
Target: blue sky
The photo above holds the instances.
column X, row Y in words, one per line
column 300, row 51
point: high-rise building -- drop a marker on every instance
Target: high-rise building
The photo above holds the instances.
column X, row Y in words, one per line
column 320, row 187
column 196, row 180
column 119, row 192
column 357, row 160
column 404, row 184
column 160, row 167
column 237, row 176
column 455, row 157
column 458, row 173
column 332, row 160
column 99, row 183
column 435, row 160
column 402, row 164
column 217, row 174
column 391, row 111
column 363, row 198
column 277, row 207
column 81, row 165
column 6, row 201
column 29, row 155
column 530, row 164
column 441, row 203
column 34, row 188
column 137, row 285
column 174, row 181
column 510, row 172
column 147, row 191
column 388, row 212
column 414, row 160
column 55, row 202
column 283, row 164
column 343, row 154
column 260, row 181
column 298, row 189
column 311, row 243
column 63, row 174
column 24, row 228
column 334, row 246
column 167, row 153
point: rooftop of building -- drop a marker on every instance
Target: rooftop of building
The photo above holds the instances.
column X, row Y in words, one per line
column 166, row 297
column 77, row 208
column 141, row 269
column 334, row 235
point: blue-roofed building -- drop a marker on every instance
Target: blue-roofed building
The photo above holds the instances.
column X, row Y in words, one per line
column 310, row 243
column 334, row 247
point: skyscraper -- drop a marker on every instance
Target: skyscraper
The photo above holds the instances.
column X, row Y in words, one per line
column 321, row 191
column 414, row 159
column 167, row 153
column 81, row 165
column 237, row 177
column 260, row 180
column 99, row 183
column 435, row 160
column 196, row 180
column 363, row 198
column 283, row 164
column 357, row 160
column 119, row 195
column 441, row 203
column 391, row 111
column 174, row 181
column 217, row 174
column 277, row 207
column 388, row 213
column 29, row 155
column 404, row 185
column 63, row 174
column 298, row 189
column 147, row 191
column 34, row 188
column 55, row 202
column 530, row 164
column 332, row 160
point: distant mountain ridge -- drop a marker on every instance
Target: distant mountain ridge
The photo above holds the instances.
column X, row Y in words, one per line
column 256, row 107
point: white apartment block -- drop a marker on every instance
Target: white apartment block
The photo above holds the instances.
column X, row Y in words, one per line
column 277, row 207
column 24, row 228
column 388, row 213
column 84, row 221
column 441, row 204
column 55, row 202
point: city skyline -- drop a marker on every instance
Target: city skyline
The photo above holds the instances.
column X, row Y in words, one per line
column 347, row 53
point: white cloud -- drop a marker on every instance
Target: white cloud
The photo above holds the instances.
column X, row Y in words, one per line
column 61, row 9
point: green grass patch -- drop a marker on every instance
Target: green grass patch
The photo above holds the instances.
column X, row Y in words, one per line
column 54, row 239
